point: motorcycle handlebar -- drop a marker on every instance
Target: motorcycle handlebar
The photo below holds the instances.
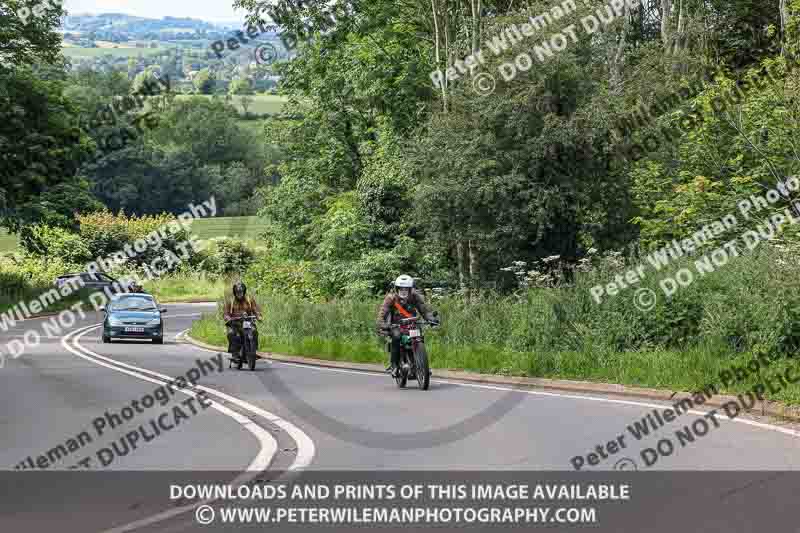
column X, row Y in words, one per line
column 245, row 317
column 406, row 321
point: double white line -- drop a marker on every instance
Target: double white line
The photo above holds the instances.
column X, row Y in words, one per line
column 269, row 446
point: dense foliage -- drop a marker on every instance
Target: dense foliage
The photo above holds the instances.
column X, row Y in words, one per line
column 386, row 172
column 634, row 135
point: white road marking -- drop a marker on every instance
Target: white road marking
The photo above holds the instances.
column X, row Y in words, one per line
column 635, row 403
column 269, row 446
column 305, row 446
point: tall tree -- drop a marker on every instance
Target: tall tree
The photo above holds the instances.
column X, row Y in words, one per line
column 40, row 145
column 27, row 38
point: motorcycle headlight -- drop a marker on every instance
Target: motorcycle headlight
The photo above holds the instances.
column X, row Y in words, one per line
column 114, row 322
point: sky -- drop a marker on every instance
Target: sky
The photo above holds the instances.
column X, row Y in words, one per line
column 210, row 10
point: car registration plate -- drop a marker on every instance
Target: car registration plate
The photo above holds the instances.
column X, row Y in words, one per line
column 413, row 333
column 134, row 330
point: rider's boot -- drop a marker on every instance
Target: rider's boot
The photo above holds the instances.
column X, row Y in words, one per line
column 394, row 368
column 235, row 352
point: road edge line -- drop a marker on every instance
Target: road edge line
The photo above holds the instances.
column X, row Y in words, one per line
column 260, row 460
column 774, row 409
column 306, row 449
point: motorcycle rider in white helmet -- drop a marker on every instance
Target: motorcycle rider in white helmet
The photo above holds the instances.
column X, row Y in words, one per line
column 403, row 296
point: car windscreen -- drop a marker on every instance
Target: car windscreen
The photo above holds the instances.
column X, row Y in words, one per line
column 134, row 303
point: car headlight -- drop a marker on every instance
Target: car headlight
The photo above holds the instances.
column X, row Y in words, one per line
column 113, row 322
column 154, row 322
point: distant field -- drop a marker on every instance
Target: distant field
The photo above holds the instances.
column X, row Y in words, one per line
column 254, row 126
column 8, row 243
column 75, row 51
column 246, row 228
column 262, row 103
column 242, row 227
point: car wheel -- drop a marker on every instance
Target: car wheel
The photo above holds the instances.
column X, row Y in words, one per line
column 158, row 340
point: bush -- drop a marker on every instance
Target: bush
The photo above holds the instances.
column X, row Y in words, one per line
column 744, row 305
column 496, row 334
column 748, row 305
column 106, row 234
column 34, row 270
column 12, row 282
column 24, row 278
column 287, row 278
column 230, row 256
column 56, row 242
column 103, row 235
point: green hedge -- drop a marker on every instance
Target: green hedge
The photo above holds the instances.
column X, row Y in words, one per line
column 749, row 307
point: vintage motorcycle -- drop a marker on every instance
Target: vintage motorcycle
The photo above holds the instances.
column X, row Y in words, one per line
column 413, row 356
column 247, row 343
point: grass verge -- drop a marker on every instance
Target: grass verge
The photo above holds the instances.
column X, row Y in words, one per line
column 186, row 288
column 344, row 331
column 247, row 228
column 8, row 243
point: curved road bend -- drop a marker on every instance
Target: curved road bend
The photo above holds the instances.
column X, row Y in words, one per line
column 344, row 420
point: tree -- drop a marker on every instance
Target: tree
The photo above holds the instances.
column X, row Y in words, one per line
column 40, row 145
column 142, row 179
column 240, row 86
column 236, row 189
column 40, row 148
column 29, row 39
column 525, row 173
column 720, row 158
column 208, row 130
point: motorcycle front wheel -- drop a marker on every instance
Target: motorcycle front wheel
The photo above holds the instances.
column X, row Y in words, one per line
column 422, row 369
column 402, row 377
column 250, row 350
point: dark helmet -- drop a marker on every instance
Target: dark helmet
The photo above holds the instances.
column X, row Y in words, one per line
column 239, row 290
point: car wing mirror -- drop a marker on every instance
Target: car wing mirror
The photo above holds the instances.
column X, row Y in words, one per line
column 162, row 311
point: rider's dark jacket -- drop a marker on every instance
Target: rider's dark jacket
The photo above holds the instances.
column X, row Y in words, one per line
column 414, row 302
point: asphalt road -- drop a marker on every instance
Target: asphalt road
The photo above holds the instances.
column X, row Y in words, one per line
column 300, row 418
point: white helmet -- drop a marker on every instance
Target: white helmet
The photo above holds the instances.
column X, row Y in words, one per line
column 404, row 282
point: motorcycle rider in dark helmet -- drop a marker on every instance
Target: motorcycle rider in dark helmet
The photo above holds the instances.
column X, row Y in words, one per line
column 402, row 296
column 135, row 287
column 240, row 305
